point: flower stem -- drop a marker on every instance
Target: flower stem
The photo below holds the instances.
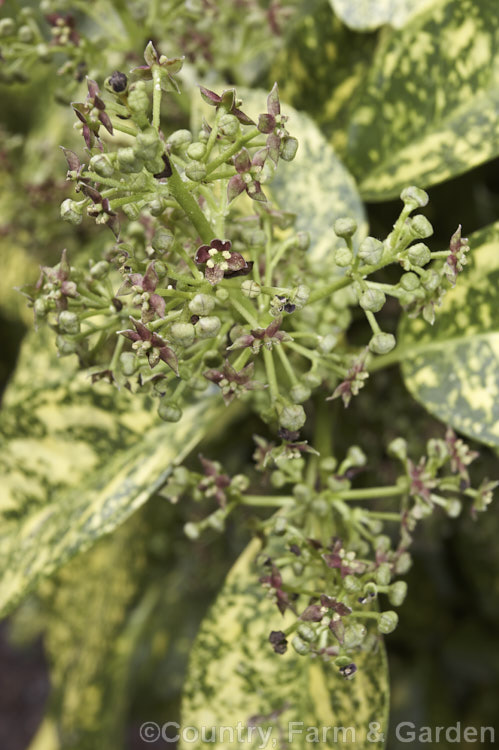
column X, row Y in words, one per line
column 190, row 206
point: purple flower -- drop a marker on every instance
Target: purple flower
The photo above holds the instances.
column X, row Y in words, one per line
column 152, row 345
column 221, row 261
column 274, row 581
column 145, row 286
column 460, row 456
column 248, row 170
column 92, row 113
column 215, row 483
column 227, row 101
column 272, row 124
column 101, row 209
column 233, row 382
column 63, row 29
column 456, row 259
column 353, row 382
column 55, row 283
column 278, row 641
column 259, row 337
column 168, row 67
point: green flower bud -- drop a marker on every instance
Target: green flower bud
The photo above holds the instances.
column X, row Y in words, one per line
column 222, row 294
column 383, row 543
column 157, row 206
column 70, row 211
column 64, row 347
column 398, row 449
column 343, row 257
column 162, row 240
column 453, row 507
column 354, row 635
column 431, row 280
column 138, row 98
column 288, row 148
column 228, row 125
column 42, row 52
column 250, row 289
column 179, row 140
column 208, row 327
column 397, row 593
column 131, row 210
column 203, row 136
column 101, row 163
column 419, row 226
column 388, row 621
column 409, row 281
column 356, row 456
column 196, row 151
column 148, row 146
column 312, row 379
column 372, row 300
column 306, row 632
column 382, row 343
column 100, row 270
column 291, row 416
column 345, row 227
column 41, row 307
column 191, row 530
column 197, row 383
column 300, row 393
column 280, row 526
column 300, row 646
column 371, row 251
column 25, row 34
column 301, row 492
column 128, row 362
column 201, row 304
column 328, row 464
column 183, row 333
column 7, row 27
column 419, row 255
column 195, row 171
column 278, row 479
column 169, row 412
column 303, row 240
column 217, row 520
column 128, row 162
column 327, row 343
column 403, row 563
column 300, row 296
column 351, row 584
column 155, row 166
column 413, row 197
column 383, row 574
column 240, row 483
column 342, row 661
column 69, row 322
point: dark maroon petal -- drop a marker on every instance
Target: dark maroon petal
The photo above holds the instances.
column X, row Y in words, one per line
column 113, row 224
column 202, row 254
column 244, row 271
column 313, row 613
column 158, row 304
column 236, row 262
column 93, row 88
column 260, row 158
column 87, row 135
column 243, row 119
column 255, row 191
column 105, row 120
column 214, row 275
column 266, row 124
column 64, row 267
column 332, row 560
column 68, row 288
column 259, row 333
column 80, row 109
column 91, row 193
column 327, row 601
column 150, row 279
column 273, row 144
column 144, row 333
column 242, row 342
column 215, row 376
column 132, row 335
column 221, row 245
column 157, row 341
column 273, row 327
column 209, row 96
column 235, row 187
column 337, row 627
column 98, row 103
column 169, row 357
column 242, row 161
column 342, row 609
column 72, row 159
column 273, row 105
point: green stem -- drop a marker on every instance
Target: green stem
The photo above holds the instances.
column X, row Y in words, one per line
column 277, row 501
column 190, row 206
column 286, row 364
column 232, row 150
column 271, row 374
column 329, row 289
column 371, row 493
column 156, row 96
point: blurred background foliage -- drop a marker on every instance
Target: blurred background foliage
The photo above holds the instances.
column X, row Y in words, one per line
column 117, row 661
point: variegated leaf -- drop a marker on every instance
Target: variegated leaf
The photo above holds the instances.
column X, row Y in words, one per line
column 366, row 15
column 452, row 367
column 76, row 461
column 430, row 107
column 315, row 186
column 236, row 680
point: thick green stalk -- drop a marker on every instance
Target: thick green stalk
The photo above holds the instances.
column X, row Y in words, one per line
column 190, row 206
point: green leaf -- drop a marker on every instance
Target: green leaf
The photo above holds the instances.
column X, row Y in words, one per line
column 430, row 107
column 235, row 676
column 366, row 15
column 316, row 186
column 452, row 367
column 76, row 461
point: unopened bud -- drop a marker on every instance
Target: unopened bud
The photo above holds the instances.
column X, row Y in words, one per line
column 70, row 211
column 300, row 295
column 291, row 417
column 372, row 300
column 397, row 593
column 383, row 574
column 398, row 449
column 288, row 148
column 195, row 171
column 431, row 280
column 138, row 98
column 414, row 197
column 191, row 530
column 169, row 412
column 7, row 27
column 228, row 125
column 201, row 304
column 162, row 240
column 128, row 362
column 343, row 257
column 300, row 393
column 157, row 206
column 409, row 281
column 403, row 563
column 388, row 621
column 179, row 140
column 196, row 151
column 250, row 289
column 371, row 251
column 300, row 646
column 183, row 333
column 382, row 343
column 208, row 327
column 420, row 227
column 25, row 34
column 306, row 632
column 148, row 146
column 345, row 227
column 41, row 307
column 354, row 635
column 128, row 162
column 419, row 254
column 101, row 163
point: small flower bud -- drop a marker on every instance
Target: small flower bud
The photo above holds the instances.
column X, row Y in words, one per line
column 431, row 280
column 148, row 146
column 25, row 34
column 280, row 526
column 179, row 140
column 101, row 163
column 343, row 257
column 388, row 621
column 228, row 125
column 419, row 254
column 403, row 563
column 196, row 151
column 300, row 646
column 382, row 343
column 300, row 393
column 327, row 343
column 397, row 593
column 138, row 98
column 201, row 304
column 7, row 27
column 291, row 417
column 157, row 206
column 453, row 507
column 306, row 632
column 222, row 294
column 383, row 574
column 356, row 456
column 312, row 379
column 345, row 227
column 195, row 171
column 65, row 347
column 128, row 162
column 250, row 289
column 354, row 635
column 302, row 492
column 42, row 52
column 409, row 281
column 69, row 322
column 420, row 227
column 351, row 584
column 278, row 479
column 240, row 483
column 128, row 362
column 191, row 530
column 371, row 251
column 372, row 300
column 328, row 464
column 208, row 327
column 70, row 211
column 413, row 197
column 300, row 296
column 398, row 449
column 288, row 148
column 41, row 307
column 131, row 210
column 183, row 333
column 162, row 240
column 169, row 412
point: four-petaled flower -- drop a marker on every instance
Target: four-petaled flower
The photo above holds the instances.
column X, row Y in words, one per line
column 274, row 581
column 460, row 456
column 456, row 259
column 221, row 261
column 248, row 170
column 152, row 345
column 259, row 337
column 92, row 113
column 233, row 382
column 215, row 483
column 63, row 29
column 353, row 382
column 227, row 101
column 271, row 123
column 144, row 286
column 167, row 66
column 55, row 283
column 100, row 209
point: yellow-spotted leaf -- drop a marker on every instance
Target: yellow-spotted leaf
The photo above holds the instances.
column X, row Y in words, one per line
column 76, row 461
column 236, row 682
column 366, row 15
column 452, row 367
column 430, row 107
